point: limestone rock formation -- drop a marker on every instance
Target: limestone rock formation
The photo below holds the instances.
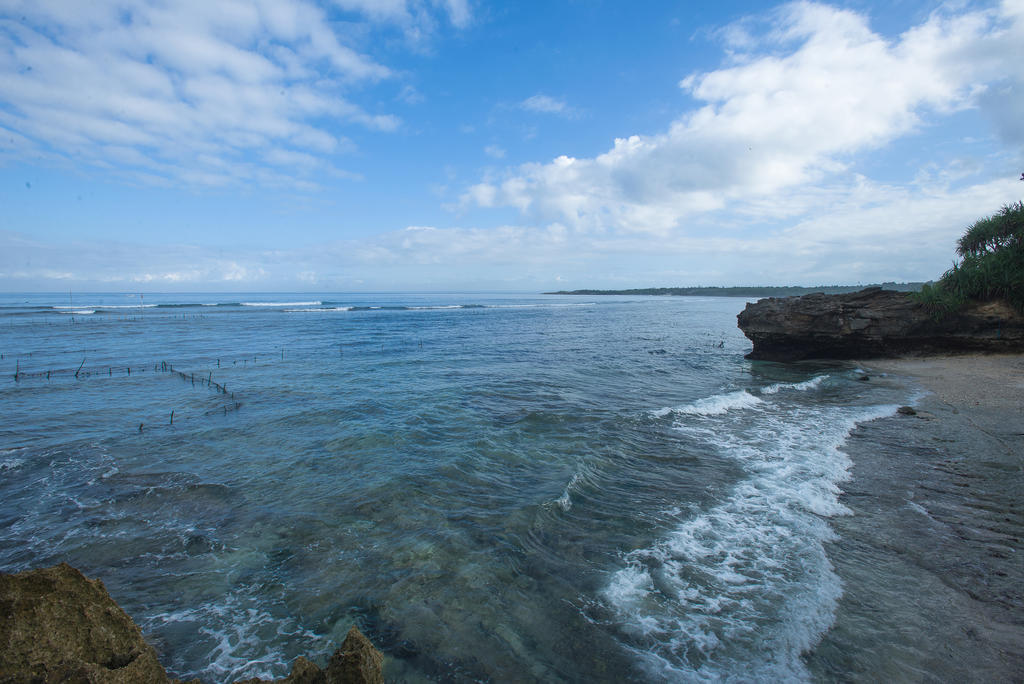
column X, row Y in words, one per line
column 356, row 662
column 58, row 626
column 872, row 323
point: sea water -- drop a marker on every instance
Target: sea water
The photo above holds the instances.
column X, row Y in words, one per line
column 504, row 487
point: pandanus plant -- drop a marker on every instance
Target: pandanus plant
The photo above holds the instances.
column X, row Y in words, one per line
column 991, row 265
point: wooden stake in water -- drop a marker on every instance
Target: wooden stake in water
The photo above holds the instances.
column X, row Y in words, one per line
column 80, row 367
column 172, row 416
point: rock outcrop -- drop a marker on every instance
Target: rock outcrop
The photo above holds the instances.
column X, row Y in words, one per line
column 872, row 323
column 356, row 662
column 58, row 626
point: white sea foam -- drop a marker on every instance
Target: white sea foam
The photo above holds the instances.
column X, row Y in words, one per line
column 813, row 383
column 11, row 464
column 320, row 310
column 241, row 634
column 740, row 590
column 918, row 508
column 108, row 306
column 713, row 405
column 80, row 312
column 565, row 500
column 280, row 304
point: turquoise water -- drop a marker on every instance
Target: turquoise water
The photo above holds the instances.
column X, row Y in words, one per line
column 493, row 487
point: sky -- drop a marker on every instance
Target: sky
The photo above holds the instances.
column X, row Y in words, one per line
column 439, row 145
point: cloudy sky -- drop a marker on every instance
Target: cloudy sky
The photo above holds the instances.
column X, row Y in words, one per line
column 352, row 145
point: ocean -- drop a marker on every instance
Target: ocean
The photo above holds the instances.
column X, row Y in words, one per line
column 493, row 487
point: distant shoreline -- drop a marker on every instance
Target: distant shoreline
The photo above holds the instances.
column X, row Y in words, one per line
column 754, row 291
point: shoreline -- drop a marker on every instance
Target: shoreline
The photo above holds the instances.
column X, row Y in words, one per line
column 931, row 558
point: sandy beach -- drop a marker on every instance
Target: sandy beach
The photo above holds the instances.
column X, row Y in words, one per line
column 931, row 559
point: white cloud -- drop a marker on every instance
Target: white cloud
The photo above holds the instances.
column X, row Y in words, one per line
column 175, row 81
column 494, row 151
column 409, row 95
column 790, row 113
column 870, row 233
column 415, row 17
column 546, row 104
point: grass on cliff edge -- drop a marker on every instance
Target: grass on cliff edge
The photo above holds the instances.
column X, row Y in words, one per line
column 991, row 265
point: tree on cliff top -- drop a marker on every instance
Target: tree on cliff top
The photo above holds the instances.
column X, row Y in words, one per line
column 991, row 265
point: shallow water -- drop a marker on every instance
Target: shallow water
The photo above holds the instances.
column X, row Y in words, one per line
column 493, row 487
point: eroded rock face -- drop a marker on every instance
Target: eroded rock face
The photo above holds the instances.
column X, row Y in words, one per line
column 356, row 662
column 872, row 323
column 58, row 626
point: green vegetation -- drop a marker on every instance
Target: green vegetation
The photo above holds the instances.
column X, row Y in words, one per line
column 991, row 265
column 756, row 291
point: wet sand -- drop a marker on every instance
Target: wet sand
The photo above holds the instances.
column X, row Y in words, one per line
column 932, row 560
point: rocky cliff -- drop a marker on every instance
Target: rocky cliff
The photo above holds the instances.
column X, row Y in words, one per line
column 58, row 626
column 872, row 323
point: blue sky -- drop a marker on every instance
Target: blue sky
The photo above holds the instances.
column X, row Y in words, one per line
column 352, row 145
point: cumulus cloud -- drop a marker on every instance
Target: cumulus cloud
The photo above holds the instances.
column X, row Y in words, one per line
column 181, row 91
column 853, row 242
column 797, row 102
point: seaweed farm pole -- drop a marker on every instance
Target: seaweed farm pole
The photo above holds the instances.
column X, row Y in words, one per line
column 172, row 416
column 17, row 366
column 80, row 367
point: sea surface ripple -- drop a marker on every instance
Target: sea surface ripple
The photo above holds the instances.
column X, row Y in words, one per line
column 492, row 486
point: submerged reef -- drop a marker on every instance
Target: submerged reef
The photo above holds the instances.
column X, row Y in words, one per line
column 874, row 323
column 58, row 626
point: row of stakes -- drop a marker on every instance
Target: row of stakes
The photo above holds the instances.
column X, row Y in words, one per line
column 163, row 367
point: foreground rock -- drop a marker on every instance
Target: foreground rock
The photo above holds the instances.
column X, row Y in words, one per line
column 356, row 662
column 873, row 323
column 58, row 626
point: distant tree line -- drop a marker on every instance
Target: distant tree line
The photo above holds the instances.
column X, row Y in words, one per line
column 753, row 291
